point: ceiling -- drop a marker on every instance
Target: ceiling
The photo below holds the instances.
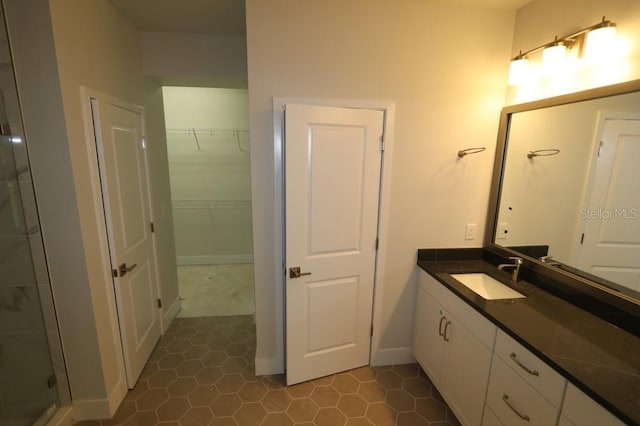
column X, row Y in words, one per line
column 225, row 17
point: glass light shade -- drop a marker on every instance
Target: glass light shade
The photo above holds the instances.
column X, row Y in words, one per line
column 518, row 71
column 553, row 58
column 599, row 44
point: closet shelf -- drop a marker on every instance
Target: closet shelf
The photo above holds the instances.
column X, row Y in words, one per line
column 212, row 131
column 210, row 204
column 209, row 130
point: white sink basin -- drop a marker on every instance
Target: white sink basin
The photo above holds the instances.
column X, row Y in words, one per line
column 487, row 287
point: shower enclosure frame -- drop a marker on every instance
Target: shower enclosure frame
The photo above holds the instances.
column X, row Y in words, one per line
column 26, row 228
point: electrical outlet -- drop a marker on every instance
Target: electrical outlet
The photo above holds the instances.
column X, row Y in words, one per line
column 470, row 232
column 502, row 231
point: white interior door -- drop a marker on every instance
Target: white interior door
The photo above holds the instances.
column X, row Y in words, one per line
column 125, row 187
column 610, row 245
column 333, row 160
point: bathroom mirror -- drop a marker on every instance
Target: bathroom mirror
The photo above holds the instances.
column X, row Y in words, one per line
column 567, row 185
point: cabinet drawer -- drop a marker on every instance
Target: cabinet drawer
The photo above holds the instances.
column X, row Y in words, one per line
column 490, row 419
column 528, row 366
column 514, row 401
column 581, row 410
column 478, row 325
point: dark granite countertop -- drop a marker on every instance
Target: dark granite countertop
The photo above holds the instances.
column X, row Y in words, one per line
column 597, row 357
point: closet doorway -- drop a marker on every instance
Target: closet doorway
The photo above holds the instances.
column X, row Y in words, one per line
column 209, row 167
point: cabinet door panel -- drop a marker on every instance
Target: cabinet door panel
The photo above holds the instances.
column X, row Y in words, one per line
column 472, row 319
column 469, row 363
column 563, row 422
column 428, row 345
column 489, row 418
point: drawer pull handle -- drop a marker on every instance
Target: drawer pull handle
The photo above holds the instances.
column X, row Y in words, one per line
column 532, row 372
column 524, row 417
column 440, row 333
column 446, row 326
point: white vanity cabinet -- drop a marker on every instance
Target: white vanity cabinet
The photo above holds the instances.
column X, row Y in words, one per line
column 522, row 388
column 487, row 377
column 579, row 409
column 453, row 343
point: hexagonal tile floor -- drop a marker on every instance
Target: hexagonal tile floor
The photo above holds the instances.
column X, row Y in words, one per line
column 201, row 373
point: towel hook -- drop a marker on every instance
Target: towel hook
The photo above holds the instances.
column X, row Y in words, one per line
column 468, row 151
column 543, row 153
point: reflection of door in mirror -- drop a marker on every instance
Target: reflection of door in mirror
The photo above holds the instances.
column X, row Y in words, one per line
column 609, row 246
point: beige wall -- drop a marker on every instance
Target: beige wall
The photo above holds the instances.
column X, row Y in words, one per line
column 444, row 65
column 206, row 60
column 97, row 48
column 539, row 21
column 111, row 63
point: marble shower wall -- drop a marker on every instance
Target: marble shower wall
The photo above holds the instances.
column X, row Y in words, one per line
column 27, row 379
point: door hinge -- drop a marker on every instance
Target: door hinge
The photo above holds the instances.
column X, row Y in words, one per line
column 382, row 143
column 371, row 331
column 143, row 143
column 377, row 243
column 114, row 272
column 159, row 303
column 582, row 239
column 600, row 147
column 153, row 228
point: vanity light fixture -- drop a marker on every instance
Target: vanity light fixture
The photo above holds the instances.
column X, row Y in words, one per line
column 595, row 41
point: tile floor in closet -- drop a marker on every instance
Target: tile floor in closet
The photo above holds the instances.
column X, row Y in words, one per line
column 216, row 290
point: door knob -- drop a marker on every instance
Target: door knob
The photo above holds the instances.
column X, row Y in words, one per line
column 123, row 269
column 295, row 272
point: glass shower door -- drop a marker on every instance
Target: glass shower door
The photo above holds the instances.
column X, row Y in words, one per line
column 31, row 364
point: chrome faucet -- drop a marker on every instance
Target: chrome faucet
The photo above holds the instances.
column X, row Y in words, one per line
column 549, row 260
column 517, row 262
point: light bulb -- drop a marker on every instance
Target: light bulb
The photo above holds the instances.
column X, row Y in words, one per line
column 518, row 71
column 553, row 58
column 599, row 44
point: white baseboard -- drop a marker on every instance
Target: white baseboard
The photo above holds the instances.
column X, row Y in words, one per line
column 392, row 356
column 267, row 366
column 62, row 417
column 220, row 259
column 170, row 314
column 91, row 409
column 95, row 409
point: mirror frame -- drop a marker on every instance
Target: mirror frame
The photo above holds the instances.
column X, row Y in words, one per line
column 574, row 279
